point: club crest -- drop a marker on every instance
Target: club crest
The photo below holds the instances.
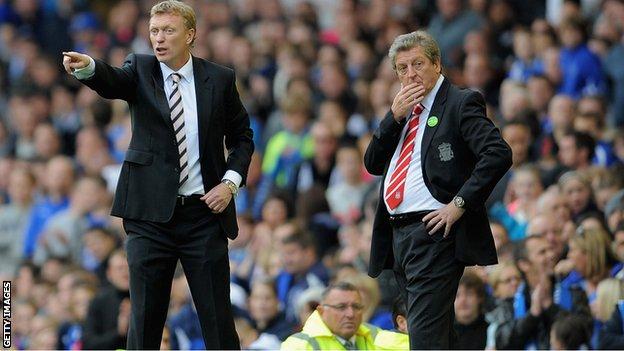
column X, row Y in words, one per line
column 446, row 152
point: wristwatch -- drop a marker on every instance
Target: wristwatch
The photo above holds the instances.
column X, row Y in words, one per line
column 231, row 185
column 459, row 202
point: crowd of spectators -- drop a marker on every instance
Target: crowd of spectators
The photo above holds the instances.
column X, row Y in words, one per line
column 316, row 80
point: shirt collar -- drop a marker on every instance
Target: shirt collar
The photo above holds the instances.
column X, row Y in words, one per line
column 429, row 98
column 185, row 71
column 343, row 340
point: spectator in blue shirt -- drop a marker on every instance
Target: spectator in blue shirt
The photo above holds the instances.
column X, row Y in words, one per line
column 59, row 178
column 302, row 270
column 581, row 69
column 525, row 64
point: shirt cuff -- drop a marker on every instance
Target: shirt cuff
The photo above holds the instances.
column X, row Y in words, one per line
column 85, row 72
column 233, row 176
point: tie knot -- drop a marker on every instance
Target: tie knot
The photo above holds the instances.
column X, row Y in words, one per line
column 418, row 109
column 349, row 345
column 176, row 77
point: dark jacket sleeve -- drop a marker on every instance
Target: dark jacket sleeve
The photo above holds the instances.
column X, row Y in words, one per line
column 114, row 82
column 238, row 134
column 382, row 145
column 97, row 336
column 612, row 333
column 491, row 151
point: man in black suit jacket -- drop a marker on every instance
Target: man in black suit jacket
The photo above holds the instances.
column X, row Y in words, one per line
column 431, row 220
column 176, row 185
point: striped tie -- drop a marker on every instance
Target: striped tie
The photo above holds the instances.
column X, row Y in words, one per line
column 394, row 191
column 177, row 116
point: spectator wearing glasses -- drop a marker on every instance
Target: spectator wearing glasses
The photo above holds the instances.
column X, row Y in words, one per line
column 337, row 324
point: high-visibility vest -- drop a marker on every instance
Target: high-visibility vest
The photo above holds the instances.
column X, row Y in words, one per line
column 317, row 336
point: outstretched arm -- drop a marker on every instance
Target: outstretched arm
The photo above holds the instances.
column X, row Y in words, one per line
column 109, row 82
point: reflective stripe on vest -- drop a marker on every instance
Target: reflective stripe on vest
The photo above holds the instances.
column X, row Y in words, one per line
column 373, row 330
column 303, row 336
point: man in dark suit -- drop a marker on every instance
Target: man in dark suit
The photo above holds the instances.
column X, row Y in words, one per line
column 176, row 185
column 440, row 157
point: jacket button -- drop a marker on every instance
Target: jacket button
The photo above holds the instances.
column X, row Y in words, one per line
column 177, row 169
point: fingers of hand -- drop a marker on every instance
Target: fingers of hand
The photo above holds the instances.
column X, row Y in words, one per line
column 429, row 216
column 407, row 94
column 447, row 230
column 433, row 221
column 437, row 227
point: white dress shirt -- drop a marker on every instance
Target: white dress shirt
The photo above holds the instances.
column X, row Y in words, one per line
column 416, row 195
column 194, row 184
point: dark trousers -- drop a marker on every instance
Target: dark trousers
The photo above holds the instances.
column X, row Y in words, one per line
column 193, row 235
column 428, row 276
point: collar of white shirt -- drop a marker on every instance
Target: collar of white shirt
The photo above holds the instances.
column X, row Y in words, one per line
column 185, row 71
column 429, row 98
column 343, row 340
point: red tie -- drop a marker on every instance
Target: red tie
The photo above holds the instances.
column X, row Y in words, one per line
column 394, row 192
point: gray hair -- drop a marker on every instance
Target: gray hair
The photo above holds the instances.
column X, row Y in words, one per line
column 342, row 286
column 419, row 38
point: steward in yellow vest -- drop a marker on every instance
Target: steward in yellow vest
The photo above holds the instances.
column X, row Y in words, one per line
column 337, row 325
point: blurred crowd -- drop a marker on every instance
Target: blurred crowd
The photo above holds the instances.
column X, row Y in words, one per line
column 316, row 80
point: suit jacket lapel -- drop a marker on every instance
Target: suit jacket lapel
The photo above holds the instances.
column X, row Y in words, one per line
column 160, row 96
column 436, row 110
column 203, row 95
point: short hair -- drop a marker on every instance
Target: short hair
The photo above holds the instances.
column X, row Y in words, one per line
column 342, row 286
column 296, row 103
column 495, row 275
column 472, row 282
column 302, row 239
column 118, row 252
column 572, row 331
column 542, row 77
column 575, row 23
column 531, row 169
column 266, row 281
column 179, row 8
column 592, row 116
column 519, row 122
column 583, row 140
column 419, row 38
column 574, row 175
column 521, row 253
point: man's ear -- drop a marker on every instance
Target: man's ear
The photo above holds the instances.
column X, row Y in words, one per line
column 191, row 36
column 401, row 322
column 320, row 309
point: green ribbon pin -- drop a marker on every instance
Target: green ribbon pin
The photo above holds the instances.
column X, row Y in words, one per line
column 432, row 121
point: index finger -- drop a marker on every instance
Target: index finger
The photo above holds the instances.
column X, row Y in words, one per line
column 71, row 54
column 429, row 216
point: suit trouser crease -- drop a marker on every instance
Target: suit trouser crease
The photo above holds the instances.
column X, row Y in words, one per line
column 428, row 274
column 193, row 236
